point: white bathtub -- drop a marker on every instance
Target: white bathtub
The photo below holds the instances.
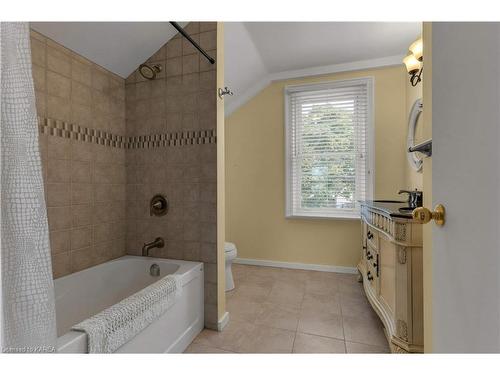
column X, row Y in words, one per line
column 85, row 293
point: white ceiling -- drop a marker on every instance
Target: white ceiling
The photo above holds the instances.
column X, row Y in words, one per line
column 119, row 47
column 257, row 53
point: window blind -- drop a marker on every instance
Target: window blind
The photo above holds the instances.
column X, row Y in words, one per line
column 327, row 148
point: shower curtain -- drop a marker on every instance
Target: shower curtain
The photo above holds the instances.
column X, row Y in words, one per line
column 28, row 321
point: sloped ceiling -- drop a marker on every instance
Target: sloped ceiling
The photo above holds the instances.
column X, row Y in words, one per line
column 119, row 47
column 257, row 53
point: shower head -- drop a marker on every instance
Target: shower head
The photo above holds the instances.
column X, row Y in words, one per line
column 149, row 72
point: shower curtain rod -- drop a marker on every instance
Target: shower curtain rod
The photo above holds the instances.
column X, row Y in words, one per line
column 196, row 45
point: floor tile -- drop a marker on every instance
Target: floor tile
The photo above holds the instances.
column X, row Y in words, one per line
column 252, row 293
column 198, row 348
column 286, row 293
column 267, row 340
column 278, row 316
column 305, row 343
column 321, row 323
column 229, row 339
column 355, row 347
column 321, row 302
column 364, row 331
column 275, row 310
column 356, row 306
column 240, row 308
column 325, row 287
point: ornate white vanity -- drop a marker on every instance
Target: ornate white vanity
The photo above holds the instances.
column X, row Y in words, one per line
column 391, row 271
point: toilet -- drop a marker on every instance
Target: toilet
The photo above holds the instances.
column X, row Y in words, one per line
column 230, row 253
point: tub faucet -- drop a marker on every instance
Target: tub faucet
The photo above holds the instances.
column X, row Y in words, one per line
column 158, row 242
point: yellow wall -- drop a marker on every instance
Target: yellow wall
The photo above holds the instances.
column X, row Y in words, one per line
column 255, row 175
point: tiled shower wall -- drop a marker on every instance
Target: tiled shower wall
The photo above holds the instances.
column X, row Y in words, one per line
column 180, row 104
column 84, row 180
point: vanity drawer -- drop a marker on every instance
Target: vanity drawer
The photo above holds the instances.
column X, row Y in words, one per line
column 372, row 237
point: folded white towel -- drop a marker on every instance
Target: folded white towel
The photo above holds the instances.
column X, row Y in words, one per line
column 113, row 327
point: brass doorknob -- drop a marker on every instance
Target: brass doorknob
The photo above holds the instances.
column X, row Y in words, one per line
column 424, row 215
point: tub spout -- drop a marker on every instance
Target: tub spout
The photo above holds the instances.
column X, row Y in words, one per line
column 158, row 242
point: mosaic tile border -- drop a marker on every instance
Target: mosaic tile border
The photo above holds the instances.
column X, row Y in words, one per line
column 80, row 133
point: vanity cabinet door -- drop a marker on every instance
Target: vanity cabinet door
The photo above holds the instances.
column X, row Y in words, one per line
column 387, row 259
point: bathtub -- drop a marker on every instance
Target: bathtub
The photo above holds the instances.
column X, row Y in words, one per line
column 85, row 293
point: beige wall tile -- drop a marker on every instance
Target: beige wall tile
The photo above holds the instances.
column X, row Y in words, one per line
column 208, row 26
column 58, row 85
column 81, row 115
column 174, row 48
column 208, row 40
column 174, row 67
column 81, row 193
column 82, row 151
column 192, row 28
column 83, row 258
column 61, row 264
column 81, row 172
column 100, row 80
column 59, row 241
column 58, row 61
column 81, row 93
column 143, row 90
column 59, row 148
column 81, row 215
column 208, row 80
column 81, row 237
column 81, row 72
column 59, row 217
column 38, row 52
column 58, row 108
column 58, row 170
column 190, row 64
column 41, row 104
column 68, row 78
column 58, row 194
column 39, row 78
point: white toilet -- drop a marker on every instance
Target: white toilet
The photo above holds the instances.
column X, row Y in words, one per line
column 230, row 252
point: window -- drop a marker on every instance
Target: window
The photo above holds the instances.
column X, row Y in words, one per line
column 328, row 148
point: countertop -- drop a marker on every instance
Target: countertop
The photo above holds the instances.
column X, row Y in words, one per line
column 390, row 207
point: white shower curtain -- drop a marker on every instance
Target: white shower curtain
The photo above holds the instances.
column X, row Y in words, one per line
column 28, row 321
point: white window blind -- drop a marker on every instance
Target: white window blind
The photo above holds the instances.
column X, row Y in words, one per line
column 328, row 148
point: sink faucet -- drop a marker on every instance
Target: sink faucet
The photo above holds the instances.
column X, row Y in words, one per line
column 414, row 197
column 158, row 242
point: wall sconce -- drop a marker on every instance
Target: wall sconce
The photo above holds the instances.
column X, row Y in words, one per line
column 413, row 61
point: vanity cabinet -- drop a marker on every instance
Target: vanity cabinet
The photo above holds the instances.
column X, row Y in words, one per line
column 392, row 275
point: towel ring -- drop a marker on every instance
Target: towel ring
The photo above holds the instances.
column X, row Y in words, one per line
column 414, row 160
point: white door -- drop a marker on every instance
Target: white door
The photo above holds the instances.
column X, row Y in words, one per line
column 466, row 180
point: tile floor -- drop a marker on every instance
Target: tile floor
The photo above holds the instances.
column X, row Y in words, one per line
column 275, row 310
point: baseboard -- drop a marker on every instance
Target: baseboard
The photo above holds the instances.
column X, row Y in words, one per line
column 222, row 323
column 296, row 266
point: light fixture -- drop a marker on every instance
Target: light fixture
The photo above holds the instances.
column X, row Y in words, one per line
column 413, row 61
column 417, row 49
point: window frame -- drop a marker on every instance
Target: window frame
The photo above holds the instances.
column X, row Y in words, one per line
column 370, row 152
